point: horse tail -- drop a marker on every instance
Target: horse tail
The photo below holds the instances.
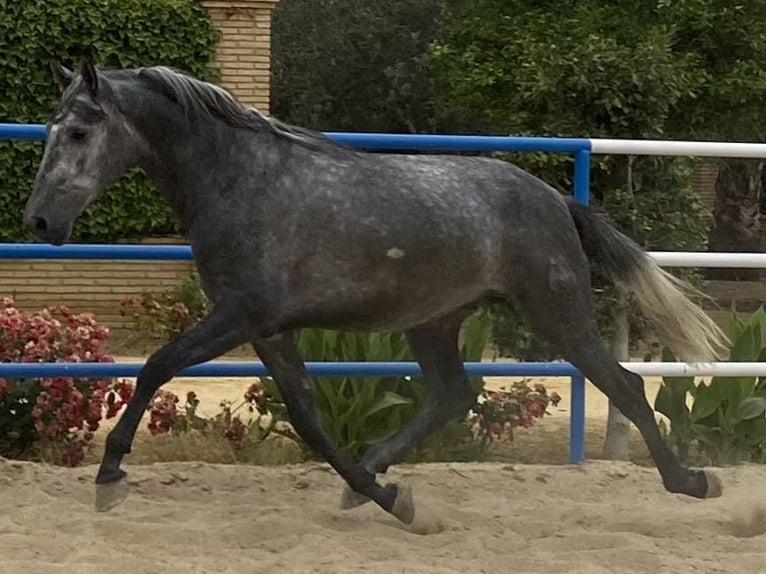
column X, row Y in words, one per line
column 664, row 298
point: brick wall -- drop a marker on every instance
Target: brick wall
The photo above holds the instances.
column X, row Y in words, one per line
column 244, row 51
column 242, row 60
column 89, row 286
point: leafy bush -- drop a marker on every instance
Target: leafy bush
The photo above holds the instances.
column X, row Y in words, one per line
column 169, row 314
column 727, row 419
column 53, row 418
column 118, row 33
column 359, row 411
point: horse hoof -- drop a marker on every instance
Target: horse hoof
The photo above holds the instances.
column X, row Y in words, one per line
column 404, row 506
column 714, row 485
column 110, row 494
column 351, row 499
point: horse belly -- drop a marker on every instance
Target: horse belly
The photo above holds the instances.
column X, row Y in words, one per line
column 387, row 298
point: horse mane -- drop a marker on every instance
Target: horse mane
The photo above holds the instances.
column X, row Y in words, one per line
column 207, row 99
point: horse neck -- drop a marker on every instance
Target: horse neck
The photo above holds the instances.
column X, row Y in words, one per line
column 189, row 160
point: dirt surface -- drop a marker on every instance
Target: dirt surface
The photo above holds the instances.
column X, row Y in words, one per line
column 531, row 514
column 195, row 517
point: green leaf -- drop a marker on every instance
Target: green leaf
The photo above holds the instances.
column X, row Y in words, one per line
column 387, row 401
column 708, row 435
column 671, row 397
column 707, row 400
column 752, row 407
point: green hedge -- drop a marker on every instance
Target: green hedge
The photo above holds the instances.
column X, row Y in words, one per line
column 117, row 33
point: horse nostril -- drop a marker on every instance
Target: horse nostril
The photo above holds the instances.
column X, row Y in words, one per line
column 40, row 223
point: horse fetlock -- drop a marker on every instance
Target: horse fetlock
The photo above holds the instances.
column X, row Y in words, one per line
column 375, row 457
column 109, row 474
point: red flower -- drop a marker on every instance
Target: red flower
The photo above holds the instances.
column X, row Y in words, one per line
column 65, row 410
column 236, row 432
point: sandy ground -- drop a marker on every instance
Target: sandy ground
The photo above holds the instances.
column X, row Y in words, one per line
column 492, row 517
column 193, row 517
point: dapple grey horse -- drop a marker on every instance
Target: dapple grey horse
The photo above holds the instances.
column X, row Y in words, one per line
column 291, row 230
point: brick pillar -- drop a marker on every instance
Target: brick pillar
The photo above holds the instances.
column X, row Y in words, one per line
column 244, row 51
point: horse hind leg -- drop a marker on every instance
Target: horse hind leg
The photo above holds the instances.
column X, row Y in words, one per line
column 558, row 304
column 285, row 364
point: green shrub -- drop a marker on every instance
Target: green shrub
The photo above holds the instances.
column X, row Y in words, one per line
column 172, row 312
column 727, row 419
column 360, row 411
column 117, row 33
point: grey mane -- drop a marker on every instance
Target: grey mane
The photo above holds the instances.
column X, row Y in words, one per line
column 196, row 96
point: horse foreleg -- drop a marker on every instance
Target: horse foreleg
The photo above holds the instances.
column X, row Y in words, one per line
column 219, row 332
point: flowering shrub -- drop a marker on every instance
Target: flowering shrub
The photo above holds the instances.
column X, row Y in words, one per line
column 57, row 415
column 171, row 312
column 493, row 418
column 166, row 415
column 500, row 412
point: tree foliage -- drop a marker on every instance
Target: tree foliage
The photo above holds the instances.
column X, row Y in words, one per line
column 353, row 65
column 729, row 45
column 119, row 33
column 587, row 69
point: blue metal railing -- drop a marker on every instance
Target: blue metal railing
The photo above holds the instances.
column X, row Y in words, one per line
column 256, row 369
column 579, row 148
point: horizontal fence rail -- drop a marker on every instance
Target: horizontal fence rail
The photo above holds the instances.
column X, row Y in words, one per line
column 375, row 369
column 184, row 253
column 598, row 146
column 580, row 148
column 677, row 148
column 36, row 132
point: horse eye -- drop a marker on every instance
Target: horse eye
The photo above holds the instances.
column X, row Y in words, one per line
column 78, row 135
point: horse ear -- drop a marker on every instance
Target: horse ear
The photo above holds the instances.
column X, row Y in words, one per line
column 89, row 75
column 62, row 75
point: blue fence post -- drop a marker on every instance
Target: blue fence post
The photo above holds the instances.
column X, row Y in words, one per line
column 577, row 402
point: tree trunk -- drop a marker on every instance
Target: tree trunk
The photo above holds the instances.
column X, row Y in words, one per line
column 617, row 442
column 736, row 218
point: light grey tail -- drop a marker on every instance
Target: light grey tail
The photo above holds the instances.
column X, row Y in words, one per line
column 664, row 298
